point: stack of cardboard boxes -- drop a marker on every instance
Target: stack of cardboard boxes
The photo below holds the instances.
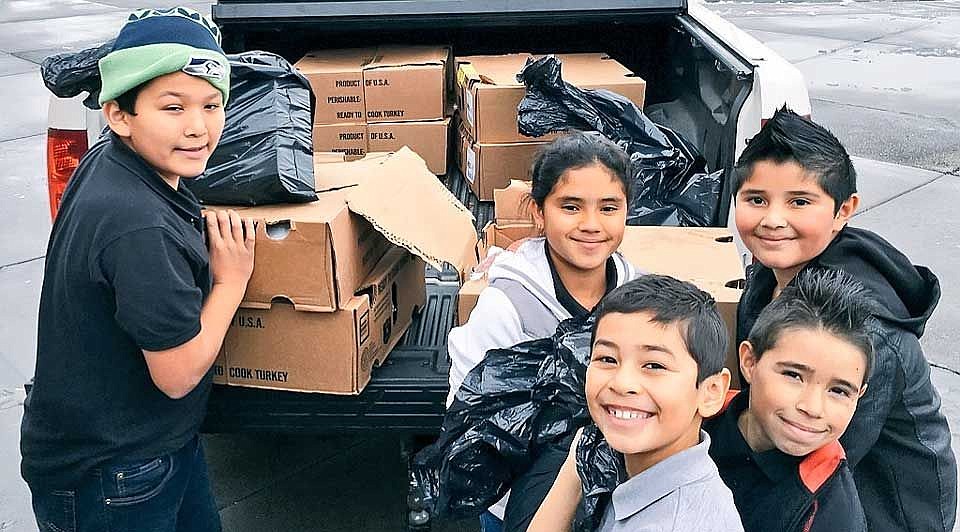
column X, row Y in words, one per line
column 705, row 256
column 336, row 282
column 491, row 149
column 380, row 99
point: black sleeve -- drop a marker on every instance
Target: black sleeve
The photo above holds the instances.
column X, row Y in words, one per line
column 883, row 388
column 528, row 492
column 837, row 507
column 157, row 298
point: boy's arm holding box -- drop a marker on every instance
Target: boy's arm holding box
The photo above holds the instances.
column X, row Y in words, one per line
column 177, row 371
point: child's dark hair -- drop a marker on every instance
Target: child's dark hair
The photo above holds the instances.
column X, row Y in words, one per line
column 790, row 137
column 670, row 300
column 128, row 100
column 577, row 150
column 818, row 299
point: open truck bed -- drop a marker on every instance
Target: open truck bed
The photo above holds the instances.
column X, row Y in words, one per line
column 695, row 84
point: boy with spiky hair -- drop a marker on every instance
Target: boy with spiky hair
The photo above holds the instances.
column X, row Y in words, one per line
column 807, row 361
column 795, row 192
column 138, row 293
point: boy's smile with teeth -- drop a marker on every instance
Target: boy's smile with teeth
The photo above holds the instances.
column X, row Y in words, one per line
column 628, row 414
column 641, row 387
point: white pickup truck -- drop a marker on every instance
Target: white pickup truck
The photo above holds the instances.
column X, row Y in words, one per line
column 706, row 79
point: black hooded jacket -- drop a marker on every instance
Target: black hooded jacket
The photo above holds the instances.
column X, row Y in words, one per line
column 898, row 442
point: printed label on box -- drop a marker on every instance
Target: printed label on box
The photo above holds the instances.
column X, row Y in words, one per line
column 471, row 165
column 470, row 111
column 363, row 333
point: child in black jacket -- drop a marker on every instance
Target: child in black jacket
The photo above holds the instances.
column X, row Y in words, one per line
column 807, row 361
column 795, row 192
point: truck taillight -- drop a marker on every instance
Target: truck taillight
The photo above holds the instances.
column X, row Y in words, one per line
column 64, row 149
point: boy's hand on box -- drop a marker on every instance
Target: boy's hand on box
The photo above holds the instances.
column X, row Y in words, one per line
column 231, row 244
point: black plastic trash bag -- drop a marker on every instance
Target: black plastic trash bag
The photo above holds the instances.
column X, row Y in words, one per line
column 601, row 470
column 68, row 74
column 266, row 152
column 671, row 186
column 509, row 407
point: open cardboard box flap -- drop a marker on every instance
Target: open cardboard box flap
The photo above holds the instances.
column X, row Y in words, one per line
column 394, row 200
column 332, row 173
column 407, row 204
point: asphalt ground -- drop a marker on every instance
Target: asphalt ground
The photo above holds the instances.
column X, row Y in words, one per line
column 882, row 75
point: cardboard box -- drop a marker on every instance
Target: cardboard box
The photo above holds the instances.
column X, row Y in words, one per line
column 336, row 77
column 705, row 256
column 331, row 352
column 428, row 139
column 488, row 92
column 488, row 167
column 379, row 84
column 512, row 204
column 313, row 255
column 310, row 321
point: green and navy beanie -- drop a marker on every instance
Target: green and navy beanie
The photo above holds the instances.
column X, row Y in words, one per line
column 156, row 42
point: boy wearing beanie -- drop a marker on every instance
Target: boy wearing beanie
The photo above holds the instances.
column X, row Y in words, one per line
column 139, row 288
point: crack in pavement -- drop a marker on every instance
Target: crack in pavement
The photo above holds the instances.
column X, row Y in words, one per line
column 24, row 137
column 10, row 400
column 852, row 45
column 901, row 194
column 945, row 368
column 946, row 121
column 22, row 262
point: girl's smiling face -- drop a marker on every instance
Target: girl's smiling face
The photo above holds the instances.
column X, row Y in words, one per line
column 583, row 218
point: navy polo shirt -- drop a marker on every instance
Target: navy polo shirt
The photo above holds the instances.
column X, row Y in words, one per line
column 127, row 270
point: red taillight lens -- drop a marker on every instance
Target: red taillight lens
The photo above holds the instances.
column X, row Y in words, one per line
column 64, row 149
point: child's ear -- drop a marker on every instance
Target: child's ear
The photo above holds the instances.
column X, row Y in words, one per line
column 117, row 119
column 863, row 390
column 537, row 213
column 713, row 392
column 748, row 362
column 846, row 211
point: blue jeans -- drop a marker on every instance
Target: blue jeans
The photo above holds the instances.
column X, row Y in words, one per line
column 169, row 493
column 490, row 523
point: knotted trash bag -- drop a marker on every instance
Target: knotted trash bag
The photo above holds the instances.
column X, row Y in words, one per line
column 670, row 182
column 68, row 74
column 509, row 407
